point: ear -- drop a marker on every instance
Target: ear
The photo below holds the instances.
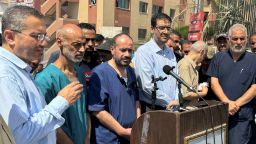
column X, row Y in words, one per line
column 112, row 49
column 152, row 30
column 58, row 41
column 9, row 37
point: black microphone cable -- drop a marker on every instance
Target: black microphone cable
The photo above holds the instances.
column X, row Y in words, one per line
column 213, row 130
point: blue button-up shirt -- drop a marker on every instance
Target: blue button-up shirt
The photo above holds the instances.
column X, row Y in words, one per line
column 149, row 60
column 22, row 106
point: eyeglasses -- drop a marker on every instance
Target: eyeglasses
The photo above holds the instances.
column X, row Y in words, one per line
column 162, row 28
column 186, row 52
column 38, row 36
column 78, row 45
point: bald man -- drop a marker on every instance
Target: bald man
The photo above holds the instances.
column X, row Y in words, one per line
column 188, row 72
column 114, row 95
column 59, row 74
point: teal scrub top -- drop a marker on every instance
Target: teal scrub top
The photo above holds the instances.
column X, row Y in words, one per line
column 50, row 81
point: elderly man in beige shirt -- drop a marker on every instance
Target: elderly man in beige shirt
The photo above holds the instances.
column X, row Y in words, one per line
column 188, row 72
column 5, row 134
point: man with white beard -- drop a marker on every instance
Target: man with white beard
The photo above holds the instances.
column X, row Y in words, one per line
column 63, row 71
column 233, row 78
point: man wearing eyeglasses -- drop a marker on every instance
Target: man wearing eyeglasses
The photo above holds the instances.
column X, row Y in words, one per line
column 149, row 60
column 23, row 107
column 253, row 43
column 61, row 73
column 233, row 78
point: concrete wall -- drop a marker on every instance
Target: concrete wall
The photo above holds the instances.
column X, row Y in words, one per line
column 140, row 20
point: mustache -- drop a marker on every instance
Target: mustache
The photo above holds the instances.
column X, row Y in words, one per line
column 126, row 58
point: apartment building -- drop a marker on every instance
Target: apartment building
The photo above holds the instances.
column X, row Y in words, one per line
column 109, row 16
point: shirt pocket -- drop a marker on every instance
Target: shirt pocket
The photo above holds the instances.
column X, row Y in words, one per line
column 244, row 77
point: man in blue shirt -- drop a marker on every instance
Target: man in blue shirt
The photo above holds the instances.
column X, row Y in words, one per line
column 233, row 78
column 23, row 107
column 149, row 61
column 113, row 96
column 59, row 74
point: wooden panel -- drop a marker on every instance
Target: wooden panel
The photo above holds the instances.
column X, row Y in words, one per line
column 162, row 127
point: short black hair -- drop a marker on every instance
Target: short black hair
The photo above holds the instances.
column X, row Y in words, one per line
column 185, row 42
column 254, row 34
column 86, row 26
column 174, row 32
column 99, row 38
column 159, row 16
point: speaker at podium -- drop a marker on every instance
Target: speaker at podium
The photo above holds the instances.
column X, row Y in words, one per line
column 203, row 125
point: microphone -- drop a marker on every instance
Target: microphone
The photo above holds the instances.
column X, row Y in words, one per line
column 168, row 70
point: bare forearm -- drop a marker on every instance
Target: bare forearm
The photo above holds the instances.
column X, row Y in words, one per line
column 247, row 97
column 107, row 120
column 138, row 109
column 193, row 95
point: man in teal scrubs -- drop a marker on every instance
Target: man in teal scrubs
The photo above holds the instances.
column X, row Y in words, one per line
column 59, row 74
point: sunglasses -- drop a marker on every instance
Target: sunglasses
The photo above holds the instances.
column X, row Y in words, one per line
column 89, row 39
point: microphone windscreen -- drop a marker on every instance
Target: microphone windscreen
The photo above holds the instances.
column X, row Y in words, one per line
column 167, row 69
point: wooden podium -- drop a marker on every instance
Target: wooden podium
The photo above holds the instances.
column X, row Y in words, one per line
column 199, row 126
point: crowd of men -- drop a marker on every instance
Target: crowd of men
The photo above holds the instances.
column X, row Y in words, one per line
column 78, row 98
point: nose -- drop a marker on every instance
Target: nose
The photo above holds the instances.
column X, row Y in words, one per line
column 82, row 48
column 128, row 53
column 165, row 30
column 44, row 43
column 90, row 43
column 239, row 41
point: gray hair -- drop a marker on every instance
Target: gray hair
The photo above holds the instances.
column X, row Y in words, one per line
column 237, row 26
column 60, row 33
column 14, row 17
column 199, row 46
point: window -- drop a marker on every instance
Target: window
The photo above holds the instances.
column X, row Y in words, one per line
column 172, row 12
column 143, row 7
column 125, row 30
column 156, row 9
column 142, row 33
column 93, row 2
column 124, row 4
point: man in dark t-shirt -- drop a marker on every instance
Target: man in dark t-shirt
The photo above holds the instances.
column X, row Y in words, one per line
column 113, row 99
column 233, row 78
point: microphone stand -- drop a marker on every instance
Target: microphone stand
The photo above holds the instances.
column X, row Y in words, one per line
column 155, row 88
column 179, row 80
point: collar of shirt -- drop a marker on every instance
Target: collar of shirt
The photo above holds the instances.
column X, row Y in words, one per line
column 14, row 59
column 156, row 48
